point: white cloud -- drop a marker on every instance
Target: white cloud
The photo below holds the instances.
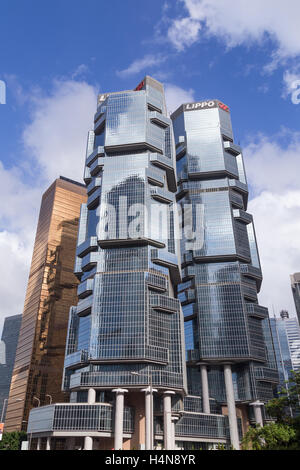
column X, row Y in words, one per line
column 54, row 144
column 241, row 22
column 56, row 136
column 175, row 96
column 142, row 64
column 273, row 173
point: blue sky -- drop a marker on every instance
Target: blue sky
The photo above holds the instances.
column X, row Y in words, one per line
column 54, row 58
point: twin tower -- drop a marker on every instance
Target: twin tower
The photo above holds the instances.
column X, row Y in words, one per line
column 168, row 346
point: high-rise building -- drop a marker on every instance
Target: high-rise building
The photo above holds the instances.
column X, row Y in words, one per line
column 293, row 335
column 229, row 356
column 125, row 365
column 295, row 284
column 282, row 351
column 9, row 341
column 51, row 290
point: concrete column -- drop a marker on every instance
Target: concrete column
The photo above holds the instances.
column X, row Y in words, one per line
column 257, row 408
column 91, row 396
column 88, row 443
column 168, row 433
column 70, row 443
column 39, row 442
column 48, row 444
column 233, row 427
column 119, row 413
column 205, row 391
column 174, row 419
column 149, row 417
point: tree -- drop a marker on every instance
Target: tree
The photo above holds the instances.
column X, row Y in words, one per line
column 273, row 436
column 12, row 440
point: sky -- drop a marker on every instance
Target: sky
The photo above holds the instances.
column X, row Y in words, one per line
column 55, row 57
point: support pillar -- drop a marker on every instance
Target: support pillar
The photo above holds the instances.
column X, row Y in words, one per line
column 149, row 428
column 233, row 426
column 205, row 391
column 48, row 443
column 91, row 396
column 38, row 446
column 119, row 413
column 88, row 443
column 168, row 434
column 174, row 419
column 257, row 408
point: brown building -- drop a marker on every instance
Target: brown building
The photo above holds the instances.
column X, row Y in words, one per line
column 51, row 290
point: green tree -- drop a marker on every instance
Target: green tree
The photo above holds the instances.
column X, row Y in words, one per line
column 12, row 440
column 273, row 436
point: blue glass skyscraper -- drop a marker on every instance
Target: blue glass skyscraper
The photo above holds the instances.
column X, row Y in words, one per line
column 225, row 327
column 168, row 341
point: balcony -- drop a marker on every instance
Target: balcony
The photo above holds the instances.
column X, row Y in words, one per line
column 161, row 195
column 187, row 296
column 84, row 307
column 96, row 166
column 256, row 311
column 242, row 216
column 77, row 417
column 85, row 288
column 100, row 123
column 232, row 148
column 97, row 153
column 87, row 175
column 159, row 119
column 165, row 164
column 94, row 198
column 95, row 184
column 89, row 261
column 76, row 359
column 180, row 150
column 168, row 260
column 164, row 303
column 157, row 282
column 155, row 177
column 86, row 247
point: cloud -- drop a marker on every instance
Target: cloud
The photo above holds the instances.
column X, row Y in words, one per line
column 56, row 136
column 240, row 23
column 143, row 64
column 53, row 144
column 273, row 169
column 175, row 96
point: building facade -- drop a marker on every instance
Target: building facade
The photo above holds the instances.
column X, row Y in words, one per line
column 167, row 345
column 229, row 351
column 295, row 284
column 9, row 341
column 51, row 290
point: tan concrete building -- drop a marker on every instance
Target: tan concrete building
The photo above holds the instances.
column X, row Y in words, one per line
column 51, row 290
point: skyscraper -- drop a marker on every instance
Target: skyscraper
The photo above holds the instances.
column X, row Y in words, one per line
column 295, row 284
column 226, row 329
column 51, row 290
column 130, row 384
column 10, row 334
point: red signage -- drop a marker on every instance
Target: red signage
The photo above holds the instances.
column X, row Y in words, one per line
column 140, row 86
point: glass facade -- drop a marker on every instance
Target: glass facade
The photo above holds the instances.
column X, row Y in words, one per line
column 51, row 290
column 127, row 319
column 9, row 341
column 221, row 273
column 295, row 284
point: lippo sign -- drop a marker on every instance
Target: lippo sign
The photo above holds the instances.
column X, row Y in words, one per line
column 205, row 105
